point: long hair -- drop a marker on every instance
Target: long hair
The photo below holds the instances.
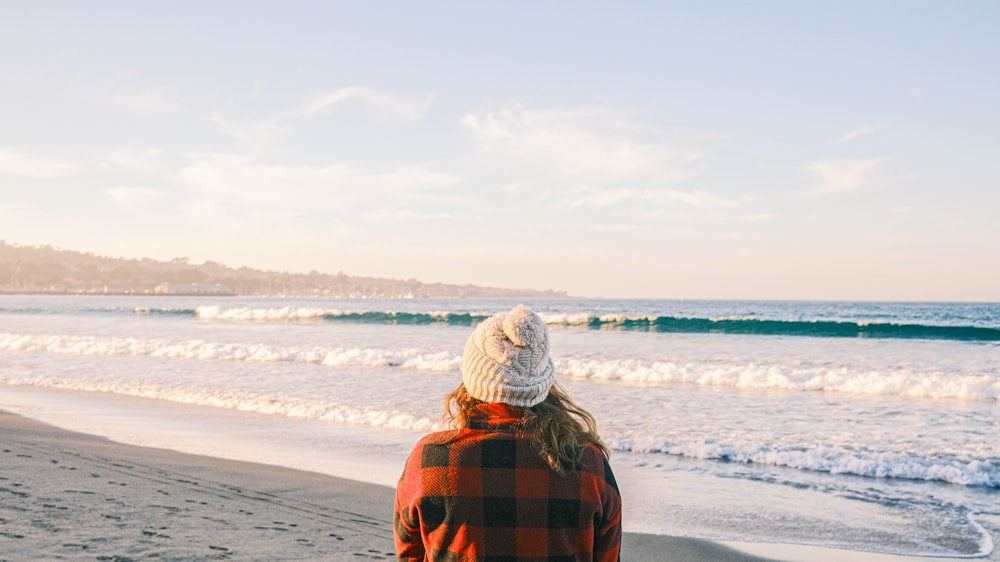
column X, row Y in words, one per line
column 557, row 427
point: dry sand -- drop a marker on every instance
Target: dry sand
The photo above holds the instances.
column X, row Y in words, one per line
column 70, row 496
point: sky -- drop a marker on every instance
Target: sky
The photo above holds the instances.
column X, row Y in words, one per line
column 840, row 150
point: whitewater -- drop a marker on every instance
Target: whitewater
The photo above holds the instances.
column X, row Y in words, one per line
column 868, row 426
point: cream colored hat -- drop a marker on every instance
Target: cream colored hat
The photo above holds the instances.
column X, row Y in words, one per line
column 507, row 359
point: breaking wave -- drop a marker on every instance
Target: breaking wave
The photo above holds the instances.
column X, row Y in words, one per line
column 661, row 324
column 833, row 460
column 774, row 376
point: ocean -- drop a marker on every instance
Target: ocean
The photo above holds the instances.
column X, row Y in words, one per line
column 865, row 426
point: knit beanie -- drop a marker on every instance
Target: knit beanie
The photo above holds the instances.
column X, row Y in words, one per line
column 507, row 359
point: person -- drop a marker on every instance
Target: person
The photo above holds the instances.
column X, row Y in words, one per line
column 522, row 475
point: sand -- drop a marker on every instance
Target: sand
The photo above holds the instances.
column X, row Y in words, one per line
column 71, row 496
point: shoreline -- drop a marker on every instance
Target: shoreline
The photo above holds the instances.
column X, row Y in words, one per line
column 76, row 496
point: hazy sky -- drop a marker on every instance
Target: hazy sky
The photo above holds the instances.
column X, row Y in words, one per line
column 827, row 150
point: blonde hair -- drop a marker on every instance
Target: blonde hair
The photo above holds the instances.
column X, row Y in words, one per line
column 558, row 427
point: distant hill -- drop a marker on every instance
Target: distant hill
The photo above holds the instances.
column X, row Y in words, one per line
column 48, row 270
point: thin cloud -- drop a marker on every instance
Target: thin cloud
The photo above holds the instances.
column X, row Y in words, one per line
column 405, row 214
column 11, row 210
column 253, row 136
column 19, row 163
column 490, row 252
column 517, row 187
column 699, row 199
column 240, row 179
column 153, row 100
column 842, row 174
column 384, row 105
column 141, row 160
column 757, row 217
column 381, row 106
column 656, row 197
column 620, row 228
column 133, row 196
column 863, row 130
column 587, row 144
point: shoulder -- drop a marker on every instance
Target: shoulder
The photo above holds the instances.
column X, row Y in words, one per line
column 592, row 455
column 434, row 439
column 596, row 463
column 438, row 437
column 433, row 444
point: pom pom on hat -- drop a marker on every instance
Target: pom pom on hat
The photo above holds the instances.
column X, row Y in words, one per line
column 506, row 359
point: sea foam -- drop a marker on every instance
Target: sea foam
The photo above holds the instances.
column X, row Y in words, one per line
column 780, row 376
column 833, row 460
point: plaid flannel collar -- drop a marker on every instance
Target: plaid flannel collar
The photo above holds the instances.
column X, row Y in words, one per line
column 495, row 416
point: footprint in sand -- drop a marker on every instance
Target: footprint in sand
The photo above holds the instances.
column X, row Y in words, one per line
column 156, row 533
column 372, row 553
column 224, row 552
column 11, row 535
column 15, row 492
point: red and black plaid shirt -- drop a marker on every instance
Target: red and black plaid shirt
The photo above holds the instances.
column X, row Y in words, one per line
column 483, row 494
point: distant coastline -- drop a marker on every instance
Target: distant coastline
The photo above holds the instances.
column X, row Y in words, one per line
column 96, row 294
column 44, row 270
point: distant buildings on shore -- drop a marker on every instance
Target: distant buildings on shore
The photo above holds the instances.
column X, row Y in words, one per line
column 216, row 289
column 175, row 289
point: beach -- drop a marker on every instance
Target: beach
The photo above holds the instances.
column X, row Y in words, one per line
column 262, row 429
column 72, row 496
